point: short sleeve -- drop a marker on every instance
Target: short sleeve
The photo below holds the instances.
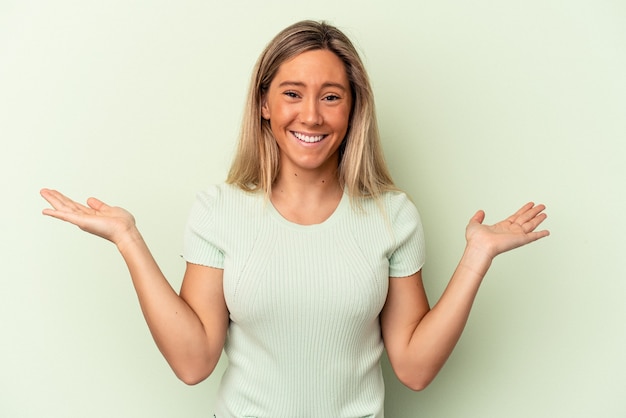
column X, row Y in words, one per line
column 200, row 244
column 409, row 253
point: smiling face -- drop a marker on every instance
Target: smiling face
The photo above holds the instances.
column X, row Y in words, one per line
column 308, row 105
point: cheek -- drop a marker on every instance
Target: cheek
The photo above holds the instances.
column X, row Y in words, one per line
column 341, row 119
column 282, row 114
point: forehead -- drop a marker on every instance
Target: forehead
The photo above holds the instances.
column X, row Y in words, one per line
column 313, row 67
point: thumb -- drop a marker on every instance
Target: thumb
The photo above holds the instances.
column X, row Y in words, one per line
column 96, row 204
column 478, row 217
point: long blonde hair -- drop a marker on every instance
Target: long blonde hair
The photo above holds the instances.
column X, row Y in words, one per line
column 362, row 169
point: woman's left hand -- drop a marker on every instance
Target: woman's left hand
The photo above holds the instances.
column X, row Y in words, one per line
column 513, row 232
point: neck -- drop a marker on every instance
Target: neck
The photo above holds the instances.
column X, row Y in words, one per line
column 319, row 183
column 306, row 198
column 302, row 183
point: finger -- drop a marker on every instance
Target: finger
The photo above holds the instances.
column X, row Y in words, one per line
column 531, row 219
column 528, row 214
column 52, row 196
column 534, row 236
column 524, row 209
column 56, row 199
column 76, row 218
column 61, row 202
column 533, row 212
column 533, row 223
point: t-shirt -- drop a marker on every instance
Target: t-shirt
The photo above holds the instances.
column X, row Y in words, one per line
column 304, row 338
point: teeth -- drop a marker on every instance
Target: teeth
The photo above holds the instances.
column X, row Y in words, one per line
column 306, row 138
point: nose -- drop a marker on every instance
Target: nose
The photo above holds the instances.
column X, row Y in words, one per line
column 310, row 112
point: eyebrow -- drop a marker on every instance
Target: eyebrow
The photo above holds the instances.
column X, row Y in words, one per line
column 301, row 84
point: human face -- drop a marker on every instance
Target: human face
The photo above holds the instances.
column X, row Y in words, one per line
column 308, row 106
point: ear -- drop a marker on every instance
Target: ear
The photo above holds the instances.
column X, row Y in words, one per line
column 265, row 109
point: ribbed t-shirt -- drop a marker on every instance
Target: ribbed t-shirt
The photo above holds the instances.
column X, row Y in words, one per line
column 304, row 338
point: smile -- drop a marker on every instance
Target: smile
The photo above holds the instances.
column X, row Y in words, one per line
column 307, row 138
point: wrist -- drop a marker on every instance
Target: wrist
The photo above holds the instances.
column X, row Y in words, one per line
column 129, row 239
column 476, row 259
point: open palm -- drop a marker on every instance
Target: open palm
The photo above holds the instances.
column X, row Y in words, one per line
column 515, row 231
column 98, row 218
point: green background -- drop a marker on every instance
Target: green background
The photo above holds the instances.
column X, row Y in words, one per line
column 482, row 105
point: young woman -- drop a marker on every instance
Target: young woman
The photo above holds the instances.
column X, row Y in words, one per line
column 307, row 262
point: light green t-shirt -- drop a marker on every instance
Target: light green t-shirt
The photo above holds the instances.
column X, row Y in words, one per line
column 304, row 338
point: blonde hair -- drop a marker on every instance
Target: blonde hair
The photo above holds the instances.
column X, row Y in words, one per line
column 362, row 169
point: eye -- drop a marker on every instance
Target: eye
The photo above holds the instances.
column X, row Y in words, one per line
column 291, row 94
column 332, row 98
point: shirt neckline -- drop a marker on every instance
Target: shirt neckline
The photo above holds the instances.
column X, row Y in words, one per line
column 328, row 221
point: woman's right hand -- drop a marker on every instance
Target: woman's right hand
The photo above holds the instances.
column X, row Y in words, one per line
column 112, row 223
column 190, row 328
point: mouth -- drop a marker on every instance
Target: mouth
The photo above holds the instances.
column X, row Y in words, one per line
column 309, row 139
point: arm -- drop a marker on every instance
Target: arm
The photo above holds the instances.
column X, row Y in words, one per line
column 418, row 339
column 189, row 328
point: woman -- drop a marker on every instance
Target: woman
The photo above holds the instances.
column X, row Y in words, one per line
column 307, row 262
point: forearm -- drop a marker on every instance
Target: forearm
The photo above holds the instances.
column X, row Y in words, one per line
column 191, row 343
column 418, row 339
column 175, row 327
column 437, row 333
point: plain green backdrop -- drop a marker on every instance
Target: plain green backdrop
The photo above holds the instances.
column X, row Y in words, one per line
column 482, row 105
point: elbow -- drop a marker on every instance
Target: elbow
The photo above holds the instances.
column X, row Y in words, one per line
column 417, row 386
column 415, row 381
column 416, row 374
column 192, row 375
column 191, row 379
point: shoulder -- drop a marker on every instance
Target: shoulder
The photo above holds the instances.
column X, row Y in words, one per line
column 220, row 191
column 393, row 211
column 220, row 209
column 401, row 214
column 225, row 194
column 394, row 205
column 224, row 200
column 397, row 201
